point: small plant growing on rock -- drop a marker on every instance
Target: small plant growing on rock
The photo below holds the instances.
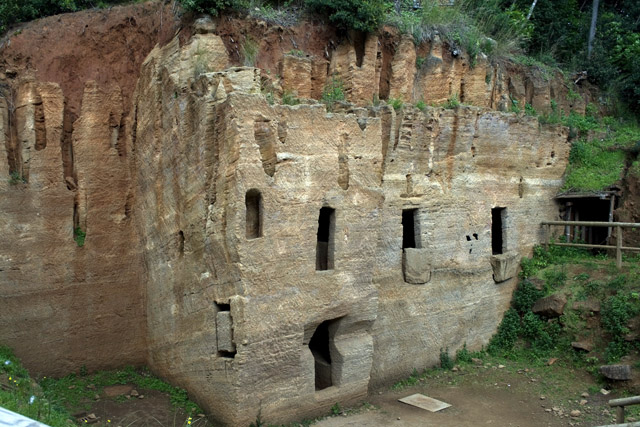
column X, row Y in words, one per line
column 421, row 105
column 396, row 103
column 453, row 102
column 332, row 93
column 289, row 98
column 79, row 236
column 16, row 178
column 297, row 53
column 515, row 106
column 200, row 62
column 336, row 409
column 529, row 110
column 250, row 52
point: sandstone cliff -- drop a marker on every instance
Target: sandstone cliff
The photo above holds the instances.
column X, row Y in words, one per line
column 268, row 258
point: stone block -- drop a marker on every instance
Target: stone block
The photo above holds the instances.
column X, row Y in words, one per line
column 415, row 266
column 551, row 306
column 616, row 372
column 224, row 329
column 505, row 266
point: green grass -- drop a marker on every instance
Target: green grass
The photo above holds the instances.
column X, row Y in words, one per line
column 77, row 390
column 250, row 51
column 52, row 401
column 593, row 166
column 20, row 394
column 523, row 335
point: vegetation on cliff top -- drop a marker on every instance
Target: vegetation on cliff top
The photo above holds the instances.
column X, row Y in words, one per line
column 553, row 33
column 550, row 35
column 603, row 152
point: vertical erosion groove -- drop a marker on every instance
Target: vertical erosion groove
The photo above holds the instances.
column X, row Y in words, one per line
column 265, row 138
column 68, row 169
column 359, row 41
column 40, row 125
column 343, row 162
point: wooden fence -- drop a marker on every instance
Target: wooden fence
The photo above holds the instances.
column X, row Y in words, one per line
column 617, row 226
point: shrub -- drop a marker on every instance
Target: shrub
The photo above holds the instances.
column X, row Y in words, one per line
column 507, row 335
column 530, row 266
column 617, row 310
column 529, row 110
column 593, row 166
column 525, row 296
column 361, row 15
column 538, row 333
column 297, row 53
column 421, row 105
column 213, row 7
column 333, row 92
column 396, row 103
column 336, row 409
column 445, row 360
column 452, row 102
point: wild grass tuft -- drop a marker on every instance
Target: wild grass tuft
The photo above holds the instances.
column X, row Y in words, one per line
column 250, row 50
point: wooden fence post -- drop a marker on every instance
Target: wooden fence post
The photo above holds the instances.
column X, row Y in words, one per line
column 619, row 414
column 619, row 247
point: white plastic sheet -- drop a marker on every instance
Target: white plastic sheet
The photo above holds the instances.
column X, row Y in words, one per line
column 11, row 419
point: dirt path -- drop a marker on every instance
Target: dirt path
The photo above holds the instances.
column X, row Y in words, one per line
column 490, row 396
column 471, row 406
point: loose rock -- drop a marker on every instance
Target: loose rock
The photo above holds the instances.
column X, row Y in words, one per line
column 616, row 372
column 551, row 306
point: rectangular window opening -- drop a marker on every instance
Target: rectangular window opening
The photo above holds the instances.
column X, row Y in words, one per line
column 224, row 331
column 498, row 230
column 325, row 242
column 253, row 204
column 410, row 229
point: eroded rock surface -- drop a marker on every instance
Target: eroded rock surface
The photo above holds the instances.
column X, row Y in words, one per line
column 257, row 254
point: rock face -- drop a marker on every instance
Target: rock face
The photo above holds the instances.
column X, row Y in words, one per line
column 270, row 259
column 78, row 295
column 278, row 239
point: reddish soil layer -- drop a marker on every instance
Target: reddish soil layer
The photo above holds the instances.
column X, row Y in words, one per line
column 105, row 45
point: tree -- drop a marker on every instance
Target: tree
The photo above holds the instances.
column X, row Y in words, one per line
column 361, row 15
column 592, row 30
column 533, row 5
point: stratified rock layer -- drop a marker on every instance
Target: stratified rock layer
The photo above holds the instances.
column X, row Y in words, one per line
column 281, row 229
column 271, row 259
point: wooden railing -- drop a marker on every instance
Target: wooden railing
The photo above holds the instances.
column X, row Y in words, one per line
column 618, row 226
column 619, row 404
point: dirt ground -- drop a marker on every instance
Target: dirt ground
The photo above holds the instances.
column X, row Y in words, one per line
column 117, row 407
column 491, row 396
column 479, row 395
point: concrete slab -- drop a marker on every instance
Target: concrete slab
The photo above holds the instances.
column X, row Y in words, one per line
column 424, row 402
